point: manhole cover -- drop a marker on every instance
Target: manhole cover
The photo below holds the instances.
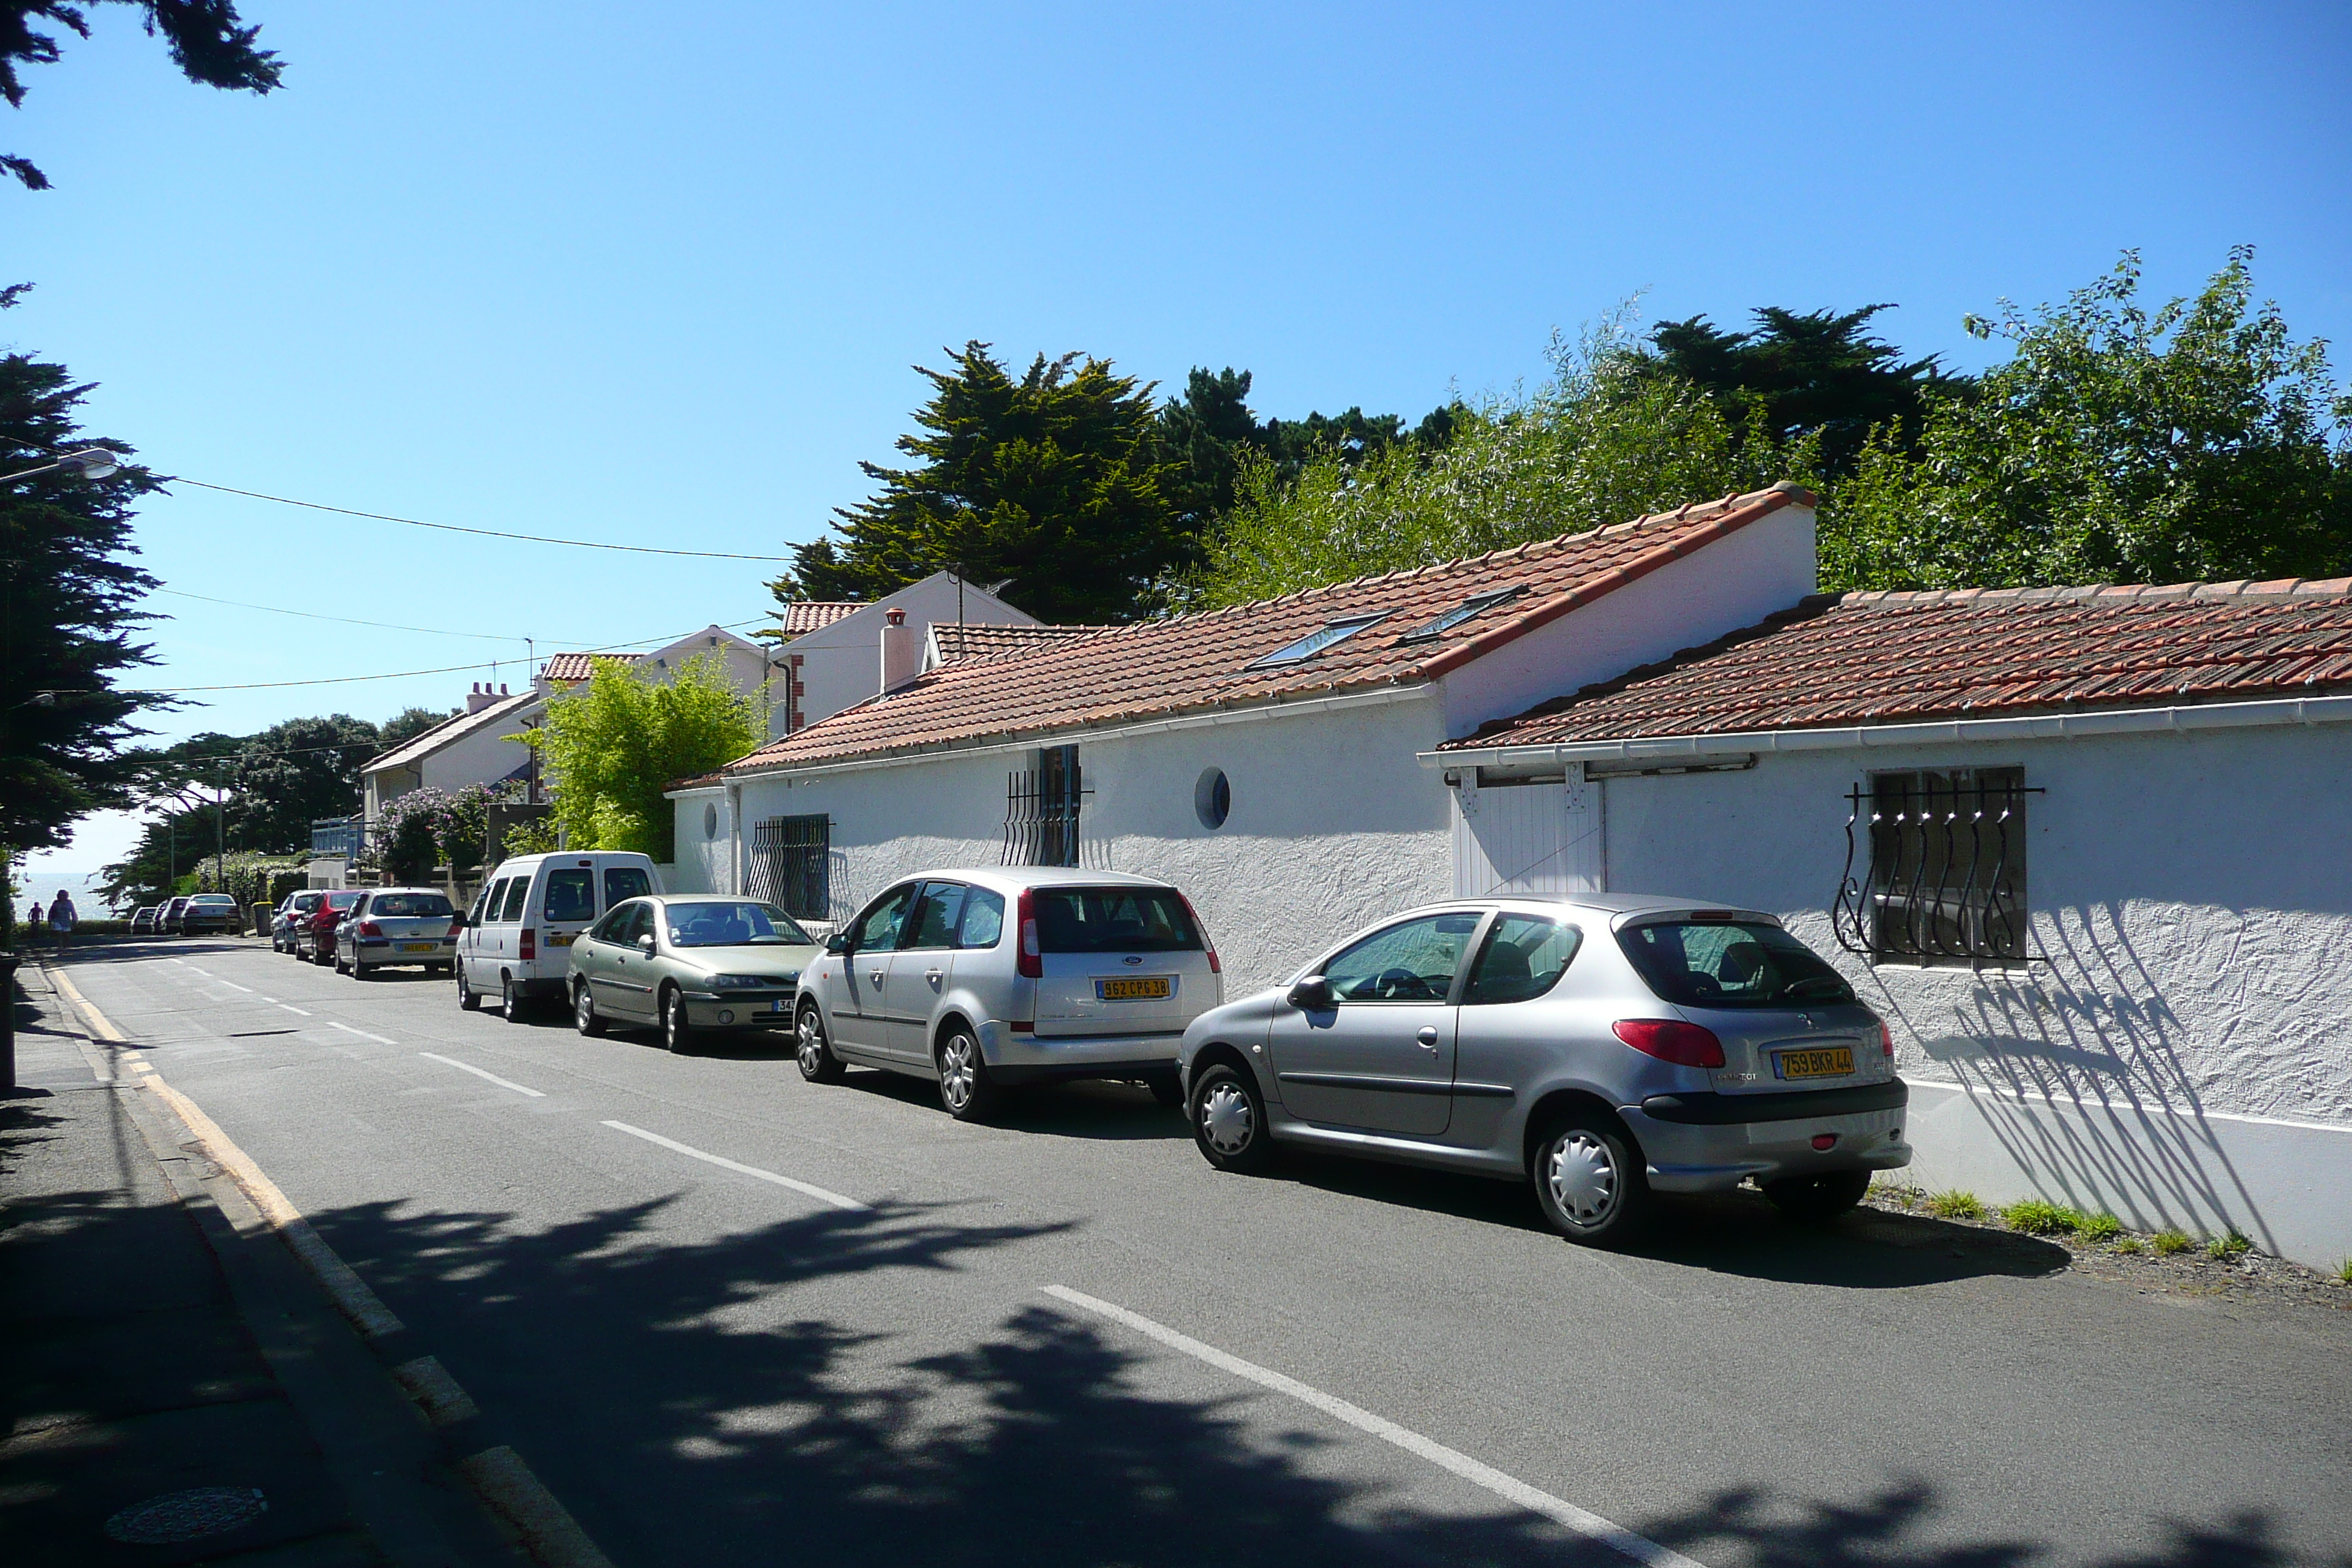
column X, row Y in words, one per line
column 184, row 1516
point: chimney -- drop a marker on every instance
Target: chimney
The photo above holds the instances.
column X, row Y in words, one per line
column 901, row 657
column 479, row 698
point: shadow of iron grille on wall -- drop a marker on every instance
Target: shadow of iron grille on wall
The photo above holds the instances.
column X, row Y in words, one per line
column 1041, row 810
column 791, row 865
column 1941, row 861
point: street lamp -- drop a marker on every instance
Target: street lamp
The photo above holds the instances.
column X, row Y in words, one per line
column 90, row 463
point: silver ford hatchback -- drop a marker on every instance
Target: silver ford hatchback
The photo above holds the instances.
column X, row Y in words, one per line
column 1604, row 1048
column 986, row 980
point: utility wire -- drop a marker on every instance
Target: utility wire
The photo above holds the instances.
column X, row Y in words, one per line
column 403, row 674
column 481, row 533
column 346, row 620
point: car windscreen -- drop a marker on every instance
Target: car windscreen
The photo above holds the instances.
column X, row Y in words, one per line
column 1113, row 920
column 734, row 925
column 571, row 895
column 1730, row 963
column 392, row 906
column 341, row 900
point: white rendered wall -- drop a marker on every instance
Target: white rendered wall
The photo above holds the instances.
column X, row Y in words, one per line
column 1333, row 823
column 703, row 858
column 2186, row 1058
column 841, row 665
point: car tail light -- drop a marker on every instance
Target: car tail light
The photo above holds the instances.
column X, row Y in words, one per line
column 368, row 927
column 1031, row 961
column 456, row 925
column 1671, row 1040
column 527, row 947
column 1208, row 946
column 1886, row 1039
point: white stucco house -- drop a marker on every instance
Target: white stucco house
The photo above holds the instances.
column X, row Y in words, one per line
column 2096, row 876
column 833, row 649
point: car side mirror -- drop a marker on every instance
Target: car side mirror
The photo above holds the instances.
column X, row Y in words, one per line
column 1312, row 994
column 837, row 942
column 456, row 922
column 646, row 942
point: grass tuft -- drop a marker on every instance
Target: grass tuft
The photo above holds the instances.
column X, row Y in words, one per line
column 2101, row 1227
column 2343, row 1271
column 1955, row 1204
column 2129, row 1244
column 2227, row 1245
column 2038, row 1217
column 2167, row 1241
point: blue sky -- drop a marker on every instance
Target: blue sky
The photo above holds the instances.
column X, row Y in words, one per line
column 657, row 275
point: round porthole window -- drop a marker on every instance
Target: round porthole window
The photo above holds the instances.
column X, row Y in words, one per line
column 1213, row 798
column 710, row 819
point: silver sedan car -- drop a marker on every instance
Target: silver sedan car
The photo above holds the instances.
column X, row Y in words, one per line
column 1604, row 1048
column 688, row 964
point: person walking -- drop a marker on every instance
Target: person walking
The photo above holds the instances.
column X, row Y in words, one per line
column 62, row 918
column 36, row 923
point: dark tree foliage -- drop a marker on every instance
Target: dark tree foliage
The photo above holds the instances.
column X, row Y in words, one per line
column 1049, row 482
column 206, row 41
column 1204, row 433
column 408, row 724
column 1815, row 370
column 170, row 845
column 67, row 618
column 293, row 774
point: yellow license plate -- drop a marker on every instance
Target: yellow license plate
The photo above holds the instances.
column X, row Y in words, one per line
column 560, row 938
column 418, row 946
column 1834, row 1062
column 1150, row 990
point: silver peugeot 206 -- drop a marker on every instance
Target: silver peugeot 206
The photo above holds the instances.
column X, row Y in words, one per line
column 1602, row 1048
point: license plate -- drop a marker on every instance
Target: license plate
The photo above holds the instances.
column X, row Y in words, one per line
column 780, row 1004
column 1149, row 988
column 560, row 938
column 418, row 946
column 1835, row 1061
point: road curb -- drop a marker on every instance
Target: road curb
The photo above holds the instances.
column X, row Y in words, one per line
column 528, row 1514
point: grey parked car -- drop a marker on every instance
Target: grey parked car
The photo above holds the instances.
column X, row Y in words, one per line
column 389, row 926
column 290, row 918
column 986, row 980
column 688, row 963
column 1602, row 1048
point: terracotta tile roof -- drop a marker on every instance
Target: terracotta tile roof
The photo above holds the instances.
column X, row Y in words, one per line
column 578, row 666
column 975, row 640
column 1192, row 663
column 809, row 615
column 1977, row 653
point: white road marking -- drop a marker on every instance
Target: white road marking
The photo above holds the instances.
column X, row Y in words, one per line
column 835, row 1199
column 364, row 1035
column 234, row 986
column 465, row 1067
column 291, row 1008
column 206, row 972
column 271, row 1000
column 1511, row 1489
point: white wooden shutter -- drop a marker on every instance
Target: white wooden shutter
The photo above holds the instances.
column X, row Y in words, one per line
column 1529, row 838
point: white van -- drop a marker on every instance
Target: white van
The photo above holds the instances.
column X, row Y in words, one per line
column 516, row 942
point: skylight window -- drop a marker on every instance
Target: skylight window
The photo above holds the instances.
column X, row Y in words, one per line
column 1430, row 631
column 1316, row 641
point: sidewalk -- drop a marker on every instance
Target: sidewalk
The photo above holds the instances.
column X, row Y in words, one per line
column 148, row 1418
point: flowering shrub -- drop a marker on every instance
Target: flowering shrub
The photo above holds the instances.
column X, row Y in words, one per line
column 428, row 827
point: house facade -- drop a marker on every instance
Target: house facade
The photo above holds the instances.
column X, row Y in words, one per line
column 2082, row 848
column 834, row 650
column 1264, row 757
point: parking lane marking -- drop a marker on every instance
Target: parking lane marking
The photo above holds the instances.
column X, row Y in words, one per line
column 291, row 1008
column 820, row 1194
column 467, row 1067
column 1591, row 1526
column 234, row 985
column 364, row 1035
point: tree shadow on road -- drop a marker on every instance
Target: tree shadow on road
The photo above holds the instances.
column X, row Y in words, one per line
column 722, row 1400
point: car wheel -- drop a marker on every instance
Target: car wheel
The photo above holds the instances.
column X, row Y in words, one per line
column 1589, row 1180
column 677, row 1029
column 341, row 968
column 814, row 1051
column 1167, row 1089
column 322, row 956
column 466, row 996
column 1812, row 1200
column 361, row 971
column 510, row 999
column 584, row 1016
column 1228, row 1116
column 965, row 1088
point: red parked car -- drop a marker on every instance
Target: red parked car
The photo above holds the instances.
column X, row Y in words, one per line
column 316, row 940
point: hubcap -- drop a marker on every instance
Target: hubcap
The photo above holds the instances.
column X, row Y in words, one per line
column 956, row 1072
column 812, row 1052
column 1582, row 1176
column 583, row 1008
column 1225, row 1119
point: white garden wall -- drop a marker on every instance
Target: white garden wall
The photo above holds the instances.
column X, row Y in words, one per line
column 2186, row 1056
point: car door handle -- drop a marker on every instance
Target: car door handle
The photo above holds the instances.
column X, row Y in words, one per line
column 933, row 976
column 874, row 976
column 1428, row 1038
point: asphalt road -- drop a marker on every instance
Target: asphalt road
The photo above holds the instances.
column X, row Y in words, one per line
column 712, row 1367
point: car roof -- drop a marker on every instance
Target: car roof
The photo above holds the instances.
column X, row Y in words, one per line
column 443, row 892
column 1014, row 878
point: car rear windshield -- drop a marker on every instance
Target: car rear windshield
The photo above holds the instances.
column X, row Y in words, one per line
column 734, row 925
column 1730, row 963
column 213, row 900
column 623, row 883
column 1113, row 920
column 341, row 900
column 417, row 905
column 571, row 895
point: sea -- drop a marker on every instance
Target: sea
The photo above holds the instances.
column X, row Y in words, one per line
column 81, row 886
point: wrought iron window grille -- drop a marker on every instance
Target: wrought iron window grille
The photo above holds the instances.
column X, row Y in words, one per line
column 1042, row 806
column 792, row 866
column 1942, row 857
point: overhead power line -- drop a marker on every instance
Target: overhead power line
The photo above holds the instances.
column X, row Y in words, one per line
column 480, row 532
column 348, row 621
column 403, row 674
